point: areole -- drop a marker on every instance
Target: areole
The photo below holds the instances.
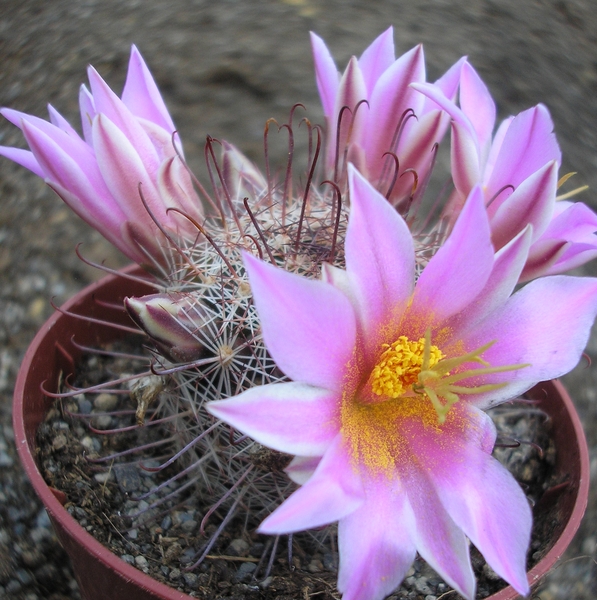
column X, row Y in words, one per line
column 102, row 574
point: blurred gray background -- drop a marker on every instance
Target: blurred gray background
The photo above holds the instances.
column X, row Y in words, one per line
column 224, row 67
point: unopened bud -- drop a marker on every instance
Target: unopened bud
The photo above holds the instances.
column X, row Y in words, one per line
column 172, row 322
column 242, row 177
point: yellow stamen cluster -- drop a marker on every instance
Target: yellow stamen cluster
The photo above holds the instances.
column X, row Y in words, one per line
column 399, row 366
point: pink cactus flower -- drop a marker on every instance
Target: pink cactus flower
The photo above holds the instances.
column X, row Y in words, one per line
column 372, row 112
column 127, row 153
column 389, row 379
column 518, row 171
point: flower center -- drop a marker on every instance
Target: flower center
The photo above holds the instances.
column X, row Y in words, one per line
column 399, row 366
column 416, row 386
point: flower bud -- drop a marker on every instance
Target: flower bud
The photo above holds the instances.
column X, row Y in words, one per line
column 172, row 322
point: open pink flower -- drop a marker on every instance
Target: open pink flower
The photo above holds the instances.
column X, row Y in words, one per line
column 383, row 114
column 518, row 171
column 389, row 379
column 127, row 150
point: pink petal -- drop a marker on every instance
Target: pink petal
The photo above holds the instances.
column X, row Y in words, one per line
column 88, row 112
column 308, row 326
column 437, row 538
column 573, row 221
column 125, row 174
column 94, row 217
column 150, row 246
column 390, row 98
column 109, row 104
column 479, row 495
column 465, row 160
column 544, row 255
column 416, row 152
column 568, row 242
column 16, row 117
column 380, row 256
column 532, row 202
column 166, row 145
column 24, row 158
column 59, row 121
column 375, row 546
column 141, row 94
column 377, row 58
column 546, row 324
column 528, row 145
column 289, row 417
column 448, row 84
column 478, row 105
column 487, row 503
column 496, row 146
column 569, row 256
column 301, row 468
column 435, row 94
column 459, row 269
column 76, row 173
column 71, row 142
column 176, row 189
column 351, row 91
column 333, row 492
column 326, row 74
column 508, row 265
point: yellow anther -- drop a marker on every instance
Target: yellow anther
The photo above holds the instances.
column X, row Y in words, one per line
column 399, row 366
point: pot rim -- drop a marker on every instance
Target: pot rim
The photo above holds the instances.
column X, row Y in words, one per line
column 24, row 441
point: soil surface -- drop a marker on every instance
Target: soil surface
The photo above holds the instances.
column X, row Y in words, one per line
column 225, row 67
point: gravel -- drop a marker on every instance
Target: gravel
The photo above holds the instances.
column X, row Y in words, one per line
column 225, row 67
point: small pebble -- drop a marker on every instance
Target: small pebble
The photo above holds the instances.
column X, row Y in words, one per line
column 422, row 586
column 39, row 534
column 103, row 477
column 174, row 575
column 128, row 478
column 187, row 556
column 189, row 526
column 6, row 460
column 101, row 422
column 245, row 571
column 315, row 566
column 237, row 547
column 330, row 561
column 23, row 576
column 256, row 550
column 105, row 402
column 13, row 586
column 84, row 405
column 190, row 579
column 173, row 552
column 59, row 441
column 141, row 562
column 589, row 545
column 87, row 442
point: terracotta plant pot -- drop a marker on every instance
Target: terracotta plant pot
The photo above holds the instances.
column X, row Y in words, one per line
column 100, row 573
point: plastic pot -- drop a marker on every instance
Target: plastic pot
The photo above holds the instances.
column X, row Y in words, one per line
column 100, row 573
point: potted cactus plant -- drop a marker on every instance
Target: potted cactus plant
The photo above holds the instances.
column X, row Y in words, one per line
column 327, row 326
